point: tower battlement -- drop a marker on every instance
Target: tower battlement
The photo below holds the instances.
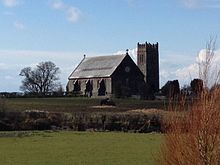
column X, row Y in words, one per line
column 148, row 45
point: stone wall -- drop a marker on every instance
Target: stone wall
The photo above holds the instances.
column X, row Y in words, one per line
column 95, row 86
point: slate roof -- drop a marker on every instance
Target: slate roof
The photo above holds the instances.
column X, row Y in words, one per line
column 101, row 66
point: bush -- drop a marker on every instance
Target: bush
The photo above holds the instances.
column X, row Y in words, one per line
column 193, row 137
column 97, row 121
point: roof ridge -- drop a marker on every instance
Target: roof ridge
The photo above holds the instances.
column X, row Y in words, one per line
column 106, row 55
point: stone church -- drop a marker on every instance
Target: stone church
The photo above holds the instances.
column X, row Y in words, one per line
column 117, row 75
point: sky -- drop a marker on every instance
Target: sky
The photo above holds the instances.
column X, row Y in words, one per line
column 62, row 31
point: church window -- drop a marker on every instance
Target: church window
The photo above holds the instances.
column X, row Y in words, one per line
column 76, row 86
column 142, row 59
column 102, row 88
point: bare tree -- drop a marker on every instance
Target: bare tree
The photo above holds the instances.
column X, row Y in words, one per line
column 41, row 79
column 207, row 72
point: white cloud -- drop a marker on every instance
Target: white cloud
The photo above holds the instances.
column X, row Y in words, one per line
column 131, row 52
column 72, row 12
column 170, row 63
column 57, row 4
column 10, row 3
column 190, row 3
column 19, row 25
column 201, row 3
column 131, row 2
column 165, row 75
column 186, row 74
column 191, row 71
column 201, row 56
column 185, row 68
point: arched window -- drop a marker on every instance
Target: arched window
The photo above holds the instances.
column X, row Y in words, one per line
column 102, row 88
column 89, row 88
column 76, row 86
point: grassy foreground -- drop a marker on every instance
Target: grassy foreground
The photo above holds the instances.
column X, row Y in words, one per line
column 79, row 148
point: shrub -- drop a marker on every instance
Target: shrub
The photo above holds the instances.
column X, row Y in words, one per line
column 194, row 137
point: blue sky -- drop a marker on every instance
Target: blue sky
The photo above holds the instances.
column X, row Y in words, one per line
column 63, row 30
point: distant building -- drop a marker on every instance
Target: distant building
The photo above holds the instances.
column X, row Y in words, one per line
column 117, row 75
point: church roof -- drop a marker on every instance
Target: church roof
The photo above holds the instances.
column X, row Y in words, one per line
column 101, row 66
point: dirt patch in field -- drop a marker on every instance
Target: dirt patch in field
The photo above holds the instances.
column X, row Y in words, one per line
column 148, row 111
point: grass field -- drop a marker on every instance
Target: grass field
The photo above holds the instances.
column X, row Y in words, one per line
column 79, row 148
column 78, row 104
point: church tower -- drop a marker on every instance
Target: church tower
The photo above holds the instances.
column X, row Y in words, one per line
column 148, row 62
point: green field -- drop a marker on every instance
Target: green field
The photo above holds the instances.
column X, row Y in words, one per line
column 79, row 148
column 71, row 104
